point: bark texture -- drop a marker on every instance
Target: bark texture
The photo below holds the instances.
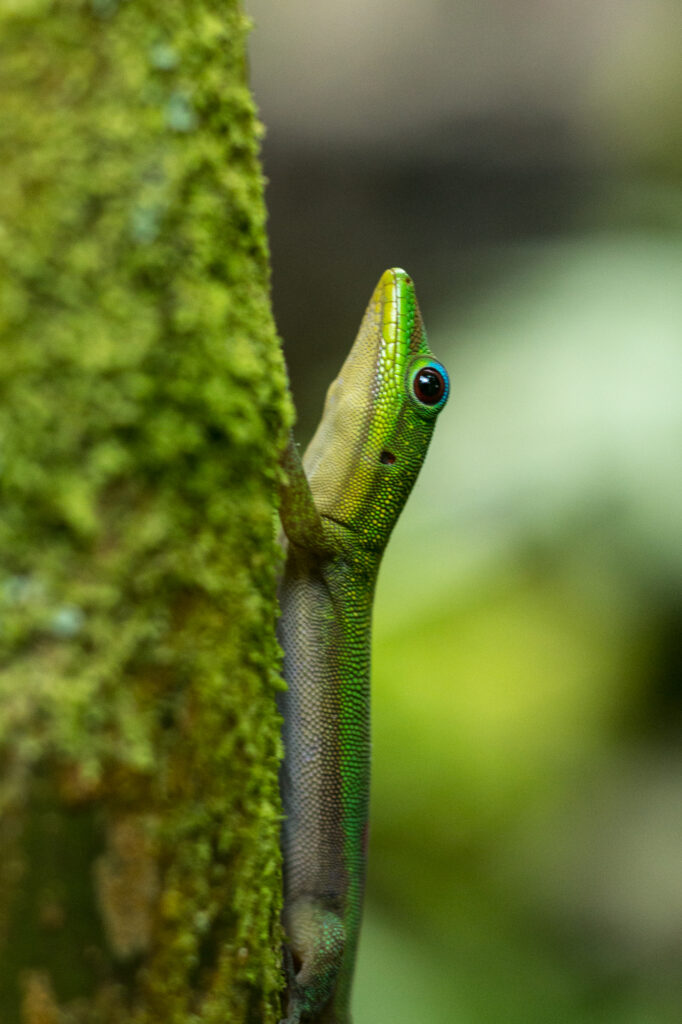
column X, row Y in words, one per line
column 142, row 405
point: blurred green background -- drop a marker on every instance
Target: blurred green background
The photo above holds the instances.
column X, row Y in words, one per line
column 523, row 162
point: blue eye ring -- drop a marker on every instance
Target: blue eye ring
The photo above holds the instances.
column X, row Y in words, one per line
column 428, row 385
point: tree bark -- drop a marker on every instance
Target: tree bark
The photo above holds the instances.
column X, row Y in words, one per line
column 142, row 408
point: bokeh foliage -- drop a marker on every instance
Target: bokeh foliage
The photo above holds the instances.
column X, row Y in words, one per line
column 526, row 798
column 142, row 403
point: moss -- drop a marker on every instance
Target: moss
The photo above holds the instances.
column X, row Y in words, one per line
column 142, row 405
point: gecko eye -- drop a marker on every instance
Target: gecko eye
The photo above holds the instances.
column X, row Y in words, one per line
column 429, row 384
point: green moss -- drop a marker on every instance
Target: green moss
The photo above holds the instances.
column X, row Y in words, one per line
column 142, row 405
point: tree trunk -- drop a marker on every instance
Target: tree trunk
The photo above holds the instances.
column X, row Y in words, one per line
column 142, row 406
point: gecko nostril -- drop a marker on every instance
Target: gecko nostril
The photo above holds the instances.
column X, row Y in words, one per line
column 388, row 458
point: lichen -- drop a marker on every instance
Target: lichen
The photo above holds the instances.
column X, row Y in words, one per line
column 127, row 885
column 142, row 406
column 38, row 1002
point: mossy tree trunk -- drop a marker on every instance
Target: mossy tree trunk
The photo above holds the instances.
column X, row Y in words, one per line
column 142, row 406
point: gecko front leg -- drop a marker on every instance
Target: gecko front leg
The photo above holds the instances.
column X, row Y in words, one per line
column 316, row 938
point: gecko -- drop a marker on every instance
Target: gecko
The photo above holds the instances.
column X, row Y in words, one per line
column 338, row 507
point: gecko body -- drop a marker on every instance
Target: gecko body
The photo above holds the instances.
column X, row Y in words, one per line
column 338, row 509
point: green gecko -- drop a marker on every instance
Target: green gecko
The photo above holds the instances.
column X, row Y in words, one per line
column 338, row 509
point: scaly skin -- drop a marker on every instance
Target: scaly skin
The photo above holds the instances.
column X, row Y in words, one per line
column 338, row 510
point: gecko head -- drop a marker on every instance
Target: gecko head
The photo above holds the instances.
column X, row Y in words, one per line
column 378, row 417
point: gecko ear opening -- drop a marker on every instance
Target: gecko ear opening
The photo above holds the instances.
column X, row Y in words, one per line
column 387, row 458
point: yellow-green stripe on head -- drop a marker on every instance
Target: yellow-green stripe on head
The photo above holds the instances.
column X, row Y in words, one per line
column 378, row 417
